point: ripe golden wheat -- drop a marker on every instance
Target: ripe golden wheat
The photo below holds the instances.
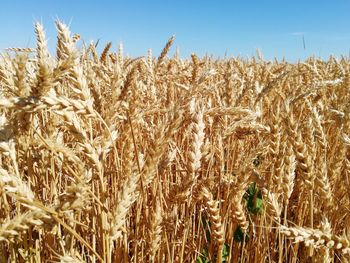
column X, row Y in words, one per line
column 107, row 158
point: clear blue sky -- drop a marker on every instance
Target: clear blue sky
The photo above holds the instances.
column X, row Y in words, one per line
column 213, row 27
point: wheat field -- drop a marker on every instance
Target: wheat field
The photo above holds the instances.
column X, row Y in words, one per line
column 107, row 158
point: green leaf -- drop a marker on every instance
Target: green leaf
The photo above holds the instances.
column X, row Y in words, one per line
column 251, row 190
column 259, row 204
column 254, row 199
column 204, row 257
column 225, row 252
column 199, row 259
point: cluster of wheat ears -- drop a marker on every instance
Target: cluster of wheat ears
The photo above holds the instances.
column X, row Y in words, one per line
column 106, row 158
